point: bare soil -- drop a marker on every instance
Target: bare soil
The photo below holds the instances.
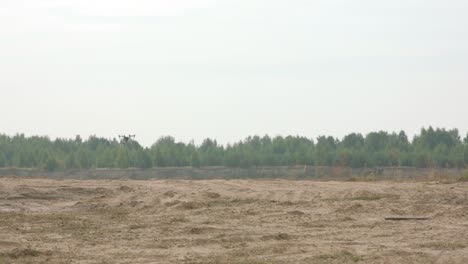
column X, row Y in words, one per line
column 231, row 221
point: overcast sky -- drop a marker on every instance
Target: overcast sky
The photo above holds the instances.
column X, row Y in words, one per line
column 227, row 69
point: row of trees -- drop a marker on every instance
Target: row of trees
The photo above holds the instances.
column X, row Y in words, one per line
column 431, row 148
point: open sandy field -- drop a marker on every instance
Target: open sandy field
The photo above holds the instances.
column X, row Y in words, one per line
column 231, row 221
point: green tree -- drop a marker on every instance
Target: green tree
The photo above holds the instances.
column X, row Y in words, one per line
column 431, row 147
column 465, row 155
column 326, row 151
column 143, row 159
column 106, row 157
column 51, row 164
column 84, row 158
column 2, row 160
column 123, row 160
column 353, row 141
column 441, row 155
column 195, row 160
column 71, row 162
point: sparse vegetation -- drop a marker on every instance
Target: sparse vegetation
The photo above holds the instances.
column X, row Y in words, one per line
column 443, row 245
column 342, row 256
column 22, row 253
column 372, row 197
column 228, row 221
column 191, row 205
column 279, row 236
column 230, row 202
column 178, row 219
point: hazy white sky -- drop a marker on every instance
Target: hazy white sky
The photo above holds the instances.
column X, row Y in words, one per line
column 227, row 69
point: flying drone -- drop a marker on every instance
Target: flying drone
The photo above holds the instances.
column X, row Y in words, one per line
column 125, row 138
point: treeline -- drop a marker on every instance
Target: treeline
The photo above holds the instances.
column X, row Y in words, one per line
column 431, row 148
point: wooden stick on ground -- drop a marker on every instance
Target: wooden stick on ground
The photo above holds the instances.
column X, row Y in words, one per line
column 402, row 218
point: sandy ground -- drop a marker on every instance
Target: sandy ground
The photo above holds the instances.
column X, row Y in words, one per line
column 231, row 221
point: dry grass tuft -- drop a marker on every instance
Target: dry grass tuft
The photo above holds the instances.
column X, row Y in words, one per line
column 296, row 212
column 170, row 194
column 373, row 197
column 340, row 256
column 279, row 236
column 212, row 195
column 443, row 245
column 191, row 205
column 464, row 177
column 23, row 253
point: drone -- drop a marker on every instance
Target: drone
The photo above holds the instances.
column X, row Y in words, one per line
column 126, row 138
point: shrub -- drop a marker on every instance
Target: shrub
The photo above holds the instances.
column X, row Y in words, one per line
column 464, row 177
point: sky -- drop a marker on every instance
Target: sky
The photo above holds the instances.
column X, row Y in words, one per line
column 227, row 69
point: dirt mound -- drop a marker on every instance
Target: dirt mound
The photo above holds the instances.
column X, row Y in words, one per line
column 296, row 212
column 212, row 195
column 170, row 194
column 191, row 205
column 125, row 188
